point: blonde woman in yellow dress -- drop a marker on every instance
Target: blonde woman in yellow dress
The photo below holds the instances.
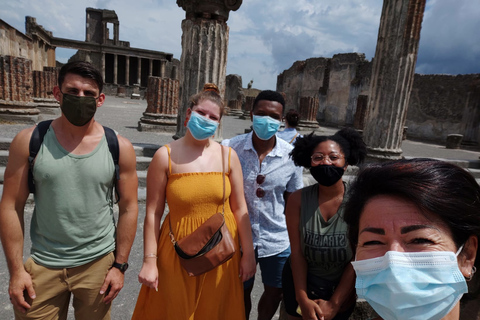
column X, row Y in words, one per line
column 187, row 173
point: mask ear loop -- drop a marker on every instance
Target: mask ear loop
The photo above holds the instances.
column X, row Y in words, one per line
column 474, row 269
column 459, row 250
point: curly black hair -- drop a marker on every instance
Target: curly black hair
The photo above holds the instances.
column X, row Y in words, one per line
column 349, row 140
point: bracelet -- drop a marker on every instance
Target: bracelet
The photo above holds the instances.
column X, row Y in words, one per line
column 150, row 255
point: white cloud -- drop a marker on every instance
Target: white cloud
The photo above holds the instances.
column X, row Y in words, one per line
column 267, row 37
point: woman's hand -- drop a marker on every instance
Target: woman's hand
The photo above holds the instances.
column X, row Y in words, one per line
column 248, row 266
column 149, row 274
column 310, row 310
column 329, row 310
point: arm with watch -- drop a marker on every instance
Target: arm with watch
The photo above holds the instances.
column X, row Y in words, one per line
column 127, row 221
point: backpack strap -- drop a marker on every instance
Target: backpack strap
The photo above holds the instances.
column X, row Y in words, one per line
column 37, row 139
column 35, row 142
column 114, row 149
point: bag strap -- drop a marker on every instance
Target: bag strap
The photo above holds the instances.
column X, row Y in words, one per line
column 114, row 148
column 172, row 237
column 36, row 141
column 296, row 134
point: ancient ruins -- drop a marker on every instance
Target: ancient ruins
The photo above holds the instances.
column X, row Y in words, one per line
column 344, row 90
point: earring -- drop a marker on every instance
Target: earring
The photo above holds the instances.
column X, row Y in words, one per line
column 470, row 276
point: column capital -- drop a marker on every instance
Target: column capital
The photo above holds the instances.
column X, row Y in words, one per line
column 209, row 9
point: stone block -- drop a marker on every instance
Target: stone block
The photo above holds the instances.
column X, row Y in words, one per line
column 453, row 141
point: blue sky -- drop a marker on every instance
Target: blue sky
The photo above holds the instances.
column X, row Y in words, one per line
column 268, row 36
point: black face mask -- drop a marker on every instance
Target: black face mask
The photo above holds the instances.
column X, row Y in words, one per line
column 327, row 175
column 78, row 110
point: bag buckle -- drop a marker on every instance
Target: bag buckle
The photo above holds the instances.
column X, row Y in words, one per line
column 172, row 239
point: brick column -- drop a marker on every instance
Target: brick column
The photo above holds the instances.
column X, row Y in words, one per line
column 308, row 113
column 16, row 90
column 162, row 105
column 392, row 77
column 43, row 83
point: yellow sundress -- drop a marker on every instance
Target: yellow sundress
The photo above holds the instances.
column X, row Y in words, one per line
column 215, row 295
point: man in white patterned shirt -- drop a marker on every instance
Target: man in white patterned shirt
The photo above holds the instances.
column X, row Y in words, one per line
column 269, row 176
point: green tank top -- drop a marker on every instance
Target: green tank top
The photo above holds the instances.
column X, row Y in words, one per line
column 73, row 222
column 325, row 243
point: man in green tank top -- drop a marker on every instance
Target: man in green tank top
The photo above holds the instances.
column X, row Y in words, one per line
column 76, row 247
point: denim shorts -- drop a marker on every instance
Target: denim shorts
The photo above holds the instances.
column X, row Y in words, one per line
column 271, row 268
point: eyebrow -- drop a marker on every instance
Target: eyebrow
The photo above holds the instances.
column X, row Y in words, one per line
column 415, row 227
column 403, row 230
column 373, row 230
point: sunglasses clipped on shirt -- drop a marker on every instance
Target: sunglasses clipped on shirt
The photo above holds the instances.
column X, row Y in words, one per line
column 260, row 192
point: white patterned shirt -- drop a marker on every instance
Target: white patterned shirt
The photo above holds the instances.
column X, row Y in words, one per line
column 267, row 214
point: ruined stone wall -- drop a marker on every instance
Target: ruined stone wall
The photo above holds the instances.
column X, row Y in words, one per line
column 342, row 93
column 13, row 42
column 34, row 46
column 335, row 82
column 443, row 104
column 303, row 79
column 15, row 79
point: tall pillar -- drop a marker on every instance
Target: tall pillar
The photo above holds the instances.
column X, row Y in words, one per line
column 139, row 71
column 127, row 70
column 103, row 65
column 150, row 67
column 116, row 32
column 115, row 69
column 392, row 77
column 163, row 64
column 204, row 49
column 105, row 32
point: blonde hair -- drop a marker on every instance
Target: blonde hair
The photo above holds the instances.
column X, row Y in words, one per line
column 211, row 93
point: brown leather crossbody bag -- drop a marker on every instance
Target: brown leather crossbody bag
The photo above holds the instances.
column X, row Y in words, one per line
column 209, row 245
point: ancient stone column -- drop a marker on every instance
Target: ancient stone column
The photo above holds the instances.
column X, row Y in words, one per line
column 392, row 77
column 204, row 49
column 16, row 89
column 162, row 105
column 247, row 108
column 127, row 70
column 234, row 108
column 43, row 83
column 308, row 113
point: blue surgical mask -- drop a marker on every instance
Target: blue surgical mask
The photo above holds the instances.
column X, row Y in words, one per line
column 411, row 285
column 265, row 127
column 201, row 127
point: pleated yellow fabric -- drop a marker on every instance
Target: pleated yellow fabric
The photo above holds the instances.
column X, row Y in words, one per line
column 217, row 294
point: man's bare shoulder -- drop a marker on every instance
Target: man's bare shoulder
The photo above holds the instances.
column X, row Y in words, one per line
column 22, row 139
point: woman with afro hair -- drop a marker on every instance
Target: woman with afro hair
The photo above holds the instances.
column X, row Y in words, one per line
column 319, row 280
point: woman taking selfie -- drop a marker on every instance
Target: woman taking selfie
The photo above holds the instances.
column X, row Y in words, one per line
column 415, row 225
